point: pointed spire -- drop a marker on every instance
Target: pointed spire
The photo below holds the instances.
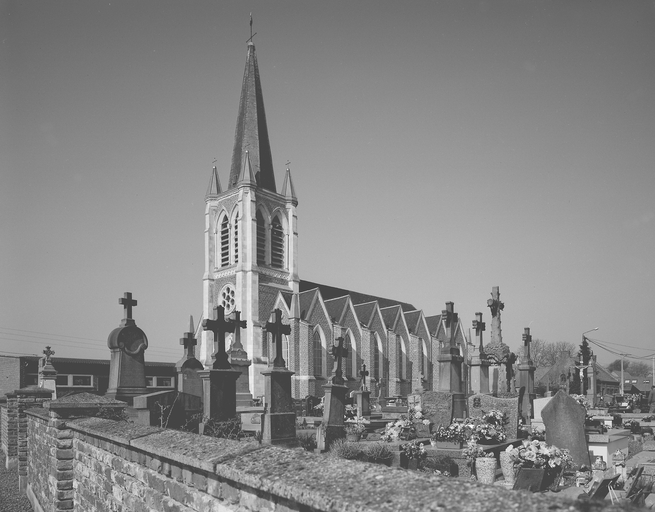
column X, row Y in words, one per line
column 251, row 131
column 287, row 188
column 246, row 177
column 191, row 328
column 214, row 184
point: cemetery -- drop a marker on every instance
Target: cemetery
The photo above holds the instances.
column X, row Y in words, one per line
column 208, row 446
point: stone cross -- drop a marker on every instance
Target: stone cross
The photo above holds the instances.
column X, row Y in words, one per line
column 189, row 341
column 48, row 352
column 479, row 327
column 219, row 326
column 527, row 339
column 449, row 317
column 363, row 373
column 128, row 303
column 339, row 352
column 496, row 307
column 238, row 324
column 277, row 329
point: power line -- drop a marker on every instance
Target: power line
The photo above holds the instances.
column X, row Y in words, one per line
column 617, row 344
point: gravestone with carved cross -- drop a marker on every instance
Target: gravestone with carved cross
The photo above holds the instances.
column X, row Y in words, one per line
column 219, row 383
column 127, row 377
column 335, row 400
column 188, row 379
column 526, row 369
column 479, row 362
column 239, row 361
column 363, row 394
column 47, row 372
column 279, row 418
column 450, row 362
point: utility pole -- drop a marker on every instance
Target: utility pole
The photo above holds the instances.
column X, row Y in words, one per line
column 621, row 388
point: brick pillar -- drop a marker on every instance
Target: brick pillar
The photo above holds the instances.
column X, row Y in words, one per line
column 10, row 429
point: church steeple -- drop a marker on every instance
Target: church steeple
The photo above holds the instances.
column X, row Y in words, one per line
column 251, row 133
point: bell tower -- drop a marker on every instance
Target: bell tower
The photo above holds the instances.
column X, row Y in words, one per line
column 251, row 236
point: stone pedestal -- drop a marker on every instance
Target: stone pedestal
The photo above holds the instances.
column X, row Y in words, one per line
column 526, row 379
column 363, row 403
column 127, row 377
column 48, row 378
column 279, row 420
column 450, row 380
column 480, row 376
column 218, row 395
column 240, row 362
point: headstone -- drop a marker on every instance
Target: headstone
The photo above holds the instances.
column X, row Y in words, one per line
column 437, row 407
column 188, row 379
column 219, row 383
column 335, row 398
column 417, row 385
column 450, row 363
column 47, row 372
column 279, row 419
column 481, row 404
column 127, row 376
column 564, row 420
column 538, row 406
column 479, row 361
column 526, row 371
column 239, row 361
column 363, row 396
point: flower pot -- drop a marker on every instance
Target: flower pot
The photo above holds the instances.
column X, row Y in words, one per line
column 507, row 465
column 449, row 445
column 485, row 468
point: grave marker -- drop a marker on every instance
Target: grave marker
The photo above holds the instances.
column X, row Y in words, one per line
column 239, row 361
column 188, row 379
column 479, row 361
column 335, row 398
column 450, row 362
column 437, row 407
column 363, row 396
column 47, row 373
column 564, row 420
column 480, row 404
column 526, row 371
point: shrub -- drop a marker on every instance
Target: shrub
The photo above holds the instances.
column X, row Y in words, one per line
column 378, row 453
column 229, row 429
column 634, row 447
column 441, row 464
column 307, row 441
column 343, row 449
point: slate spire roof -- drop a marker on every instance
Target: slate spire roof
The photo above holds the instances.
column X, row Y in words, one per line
column 252, row 132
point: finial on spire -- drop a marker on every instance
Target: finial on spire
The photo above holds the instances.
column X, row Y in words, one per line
column 251, row 34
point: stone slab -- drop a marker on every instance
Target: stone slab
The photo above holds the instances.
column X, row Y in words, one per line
column 438, row 407
column 538, row 405
column 564, row 419
column 117, row 431
column 480, row 404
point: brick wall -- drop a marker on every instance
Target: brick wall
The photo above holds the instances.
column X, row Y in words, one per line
column 4, row 426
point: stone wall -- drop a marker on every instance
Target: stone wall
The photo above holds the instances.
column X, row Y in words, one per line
column 4, row 426
column 123, row 466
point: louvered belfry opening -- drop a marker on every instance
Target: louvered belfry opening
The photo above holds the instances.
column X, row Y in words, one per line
column 277, row 244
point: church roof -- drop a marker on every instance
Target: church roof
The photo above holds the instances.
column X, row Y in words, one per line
column 251, row 131
column 412, row 318
column 433, row 322
column 390, row 316
column 335, row 308
column 332, row 292
column 306, row 301
column 365, row 312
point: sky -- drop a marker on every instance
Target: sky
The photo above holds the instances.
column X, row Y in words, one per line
column 437, row 148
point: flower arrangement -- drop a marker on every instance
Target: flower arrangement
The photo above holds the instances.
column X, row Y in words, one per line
column 455, row 432
column 538, row 433
column 582, row 400
column 537, row 454
column 414, row 450
column 495, row 417
column 474, row 451
column 350, row 412
column 356, row 425
column 416, row 415
column 484, row 432
column 402, row 428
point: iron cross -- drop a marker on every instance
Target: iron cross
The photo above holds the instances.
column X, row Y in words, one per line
column 128, row 303
column 189, row 341
column 527, row 339
column 339, row 352
column 479, row 327
column 277, row 329
column 363, row 373
column 219, row 326
column 48, row 352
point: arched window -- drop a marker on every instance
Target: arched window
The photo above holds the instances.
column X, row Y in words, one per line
column 376, row 357
column 348, row 362
column 421, row 358
column 399, row 349
column 285, row 350
column 277, row 244
column 318, row 353
column 261, row 240
column 225, row 242
column 236, row 239
column 426, row 359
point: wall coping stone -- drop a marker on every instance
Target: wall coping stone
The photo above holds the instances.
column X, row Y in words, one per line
column 38, row 411
column 31, row 391
column 83, row 401
column 118, row 431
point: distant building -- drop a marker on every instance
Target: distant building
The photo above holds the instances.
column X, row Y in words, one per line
column 76, row 374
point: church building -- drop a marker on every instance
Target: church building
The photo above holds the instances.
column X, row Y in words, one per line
column 251, row 266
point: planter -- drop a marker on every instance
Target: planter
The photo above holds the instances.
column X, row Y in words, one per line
column 485, row 469
column 530, row 479
column 507, row 465
column 449, row 445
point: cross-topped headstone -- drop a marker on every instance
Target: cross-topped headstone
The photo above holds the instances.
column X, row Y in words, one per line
column 339, row 352
column 277, row 329
column 479, row 327
column 527, row 339
column 189, row 341
column 238, row 325
column 449, row 318
column 363, row 373
column 128, row 303
column 219, row 326
column 48, row 353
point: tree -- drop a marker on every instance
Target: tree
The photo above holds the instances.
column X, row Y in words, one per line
column 585, row 355
column 635, row 369
column 615, row 366
column 545, row 354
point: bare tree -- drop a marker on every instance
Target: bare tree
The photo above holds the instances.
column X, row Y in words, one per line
column 545, row 354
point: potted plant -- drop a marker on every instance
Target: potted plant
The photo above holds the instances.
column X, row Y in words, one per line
column 401, row 429
column 411, row 454
column 480, row 461
column 485, row 433
column 379, row 453
column 451, row 437
column 537, row 456
column 354, row 431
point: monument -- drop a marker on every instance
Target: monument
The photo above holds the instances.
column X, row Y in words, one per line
column 188, row 379
column 279, row 418
column 498, row 353
column 450, row 363
column 239, row 361
column 47, row 372
column 479, row 361
column 335, row 401
column 219, row 382
column 564, row 421
column 363, row 395
column 526, row 371
column 127, row 376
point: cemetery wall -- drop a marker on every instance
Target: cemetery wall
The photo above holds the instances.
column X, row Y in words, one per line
column 96, row 464
column 4, row 426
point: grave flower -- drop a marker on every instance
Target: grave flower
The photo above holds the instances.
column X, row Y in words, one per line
column 402, row 428
column 414, row 450
column 456, row 432
column 537, row 454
